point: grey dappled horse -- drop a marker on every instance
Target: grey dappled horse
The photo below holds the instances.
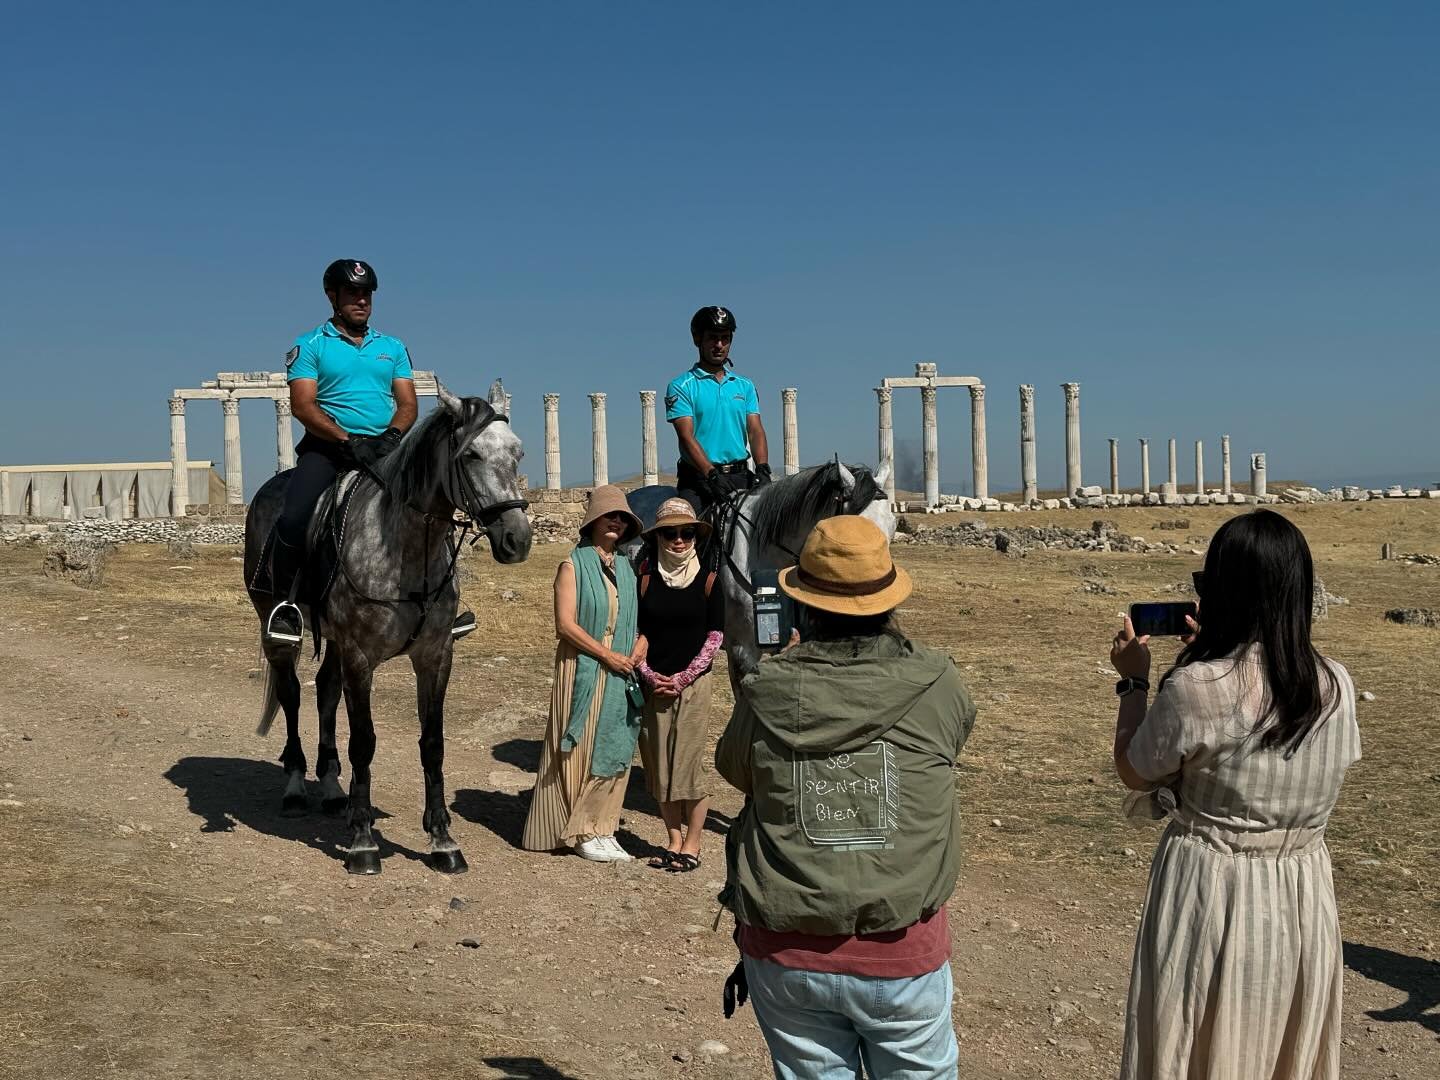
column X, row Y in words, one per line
column 767, row 530
column 393, row 592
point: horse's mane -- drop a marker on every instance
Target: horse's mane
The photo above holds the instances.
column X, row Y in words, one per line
column 414, row 467
column 809, row 495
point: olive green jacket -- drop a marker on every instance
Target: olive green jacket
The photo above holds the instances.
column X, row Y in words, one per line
column 845, row 751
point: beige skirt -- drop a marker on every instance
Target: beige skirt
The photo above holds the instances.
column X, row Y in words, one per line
column 672, row 743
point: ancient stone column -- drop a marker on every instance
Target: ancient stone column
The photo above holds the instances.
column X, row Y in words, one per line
column 930, row 445
column 649, row 458
column 179, row 471
column 552, row 442
column 887, row 438
column 791, row 430
column 599, row 455
column 1174, row 488
column 1257, row 474
column 1145, row 466
column 1199, row 467
column 1073, row 480
column 1114, row 466
column 234, row 481
column 284, row 436
column 6, row 494
column 1225, row 465
column 1029, row 483
column 979, row 453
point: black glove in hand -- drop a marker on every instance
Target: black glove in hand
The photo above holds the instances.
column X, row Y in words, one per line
column 366, row 450
column 737, row 989
column 762, row 474
column 389, row 439
column 718, row 490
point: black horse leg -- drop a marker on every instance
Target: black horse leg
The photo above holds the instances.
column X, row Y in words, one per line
column 432, row 676
column 287, row 686
column 363, row 856
column 327, row 765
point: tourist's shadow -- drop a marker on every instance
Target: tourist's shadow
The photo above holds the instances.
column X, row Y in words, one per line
column 502, row 812
column 224, row 792
column 526, row 1068
column 1413, row 976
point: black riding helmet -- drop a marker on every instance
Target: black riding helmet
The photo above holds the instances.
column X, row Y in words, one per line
column 356, row 273
column 713, row 320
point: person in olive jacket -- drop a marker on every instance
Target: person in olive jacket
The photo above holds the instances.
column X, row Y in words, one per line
column 841, row 860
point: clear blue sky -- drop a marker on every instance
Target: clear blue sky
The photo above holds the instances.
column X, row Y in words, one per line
column 1216, row 218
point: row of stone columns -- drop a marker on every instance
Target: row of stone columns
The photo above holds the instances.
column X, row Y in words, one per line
column 234, row 474
column 649, row 449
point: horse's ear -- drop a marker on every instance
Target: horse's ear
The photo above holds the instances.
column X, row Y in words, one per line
column 883, row 476
column 497, row 396
column 449, row 401
column 847, row 480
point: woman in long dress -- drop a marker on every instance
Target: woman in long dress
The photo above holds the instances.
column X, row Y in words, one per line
column 1238, row 962
column 682, row 617
column 595, row 704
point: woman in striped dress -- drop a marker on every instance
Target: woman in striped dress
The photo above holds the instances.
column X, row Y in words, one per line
column 1237, row 970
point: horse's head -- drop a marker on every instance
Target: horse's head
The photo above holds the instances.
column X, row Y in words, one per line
column 867, row 497
column 481, row 470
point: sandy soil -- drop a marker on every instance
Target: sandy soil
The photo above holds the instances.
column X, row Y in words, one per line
column 161, row 919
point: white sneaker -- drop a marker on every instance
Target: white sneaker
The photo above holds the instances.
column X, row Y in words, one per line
column 595, row 849
column 617, row 853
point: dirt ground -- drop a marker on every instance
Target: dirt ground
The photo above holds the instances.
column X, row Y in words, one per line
column 161, row 919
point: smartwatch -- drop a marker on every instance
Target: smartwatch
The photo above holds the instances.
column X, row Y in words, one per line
column 1130, row 685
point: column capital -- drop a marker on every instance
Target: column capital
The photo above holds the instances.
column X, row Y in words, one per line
column 1144, row 442
column 552, row 402
column 1027, row 394
column 177, row 406
column 789, row 394
column 884, row 393
column 230, row 406
column 927, row 395
column 597, row 400
column 1072, row 391
column 977, row 392
column 647, row 397
column 282, row 406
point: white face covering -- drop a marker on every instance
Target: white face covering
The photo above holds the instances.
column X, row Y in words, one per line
column 678, row 571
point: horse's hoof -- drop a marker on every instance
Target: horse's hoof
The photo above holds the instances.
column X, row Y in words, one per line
column 293, row 806
column 448, row 862
column 363, row 862
column 334, row 806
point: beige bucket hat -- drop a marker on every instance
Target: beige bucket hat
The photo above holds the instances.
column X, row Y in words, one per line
column 608, row 499
column 676, row 512
column 846, row 568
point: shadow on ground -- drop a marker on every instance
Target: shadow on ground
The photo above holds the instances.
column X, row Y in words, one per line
column 225, row 792
column 525, row 1068
column 1413, row 976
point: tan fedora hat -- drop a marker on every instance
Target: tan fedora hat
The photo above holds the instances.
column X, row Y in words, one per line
column 608, row 499
column 676, row 512
column 846, row 568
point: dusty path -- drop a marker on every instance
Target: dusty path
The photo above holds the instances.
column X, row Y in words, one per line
column 162, row 919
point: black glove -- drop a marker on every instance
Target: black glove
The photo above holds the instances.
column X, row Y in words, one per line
column 737, row 989
column 389, row 439
column 366, row 450
column 718, row 490
column 762, row 474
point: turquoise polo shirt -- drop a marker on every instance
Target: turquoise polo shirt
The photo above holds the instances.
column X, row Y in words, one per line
column 720, row 410
column 352, row 381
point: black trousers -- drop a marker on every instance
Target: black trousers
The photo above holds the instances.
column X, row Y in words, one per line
column 317, row 463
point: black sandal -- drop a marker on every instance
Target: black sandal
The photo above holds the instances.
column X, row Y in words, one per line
column 664, row 861
column 683, row 863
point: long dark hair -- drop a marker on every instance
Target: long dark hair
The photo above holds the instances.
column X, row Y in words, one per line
column 1258, row 588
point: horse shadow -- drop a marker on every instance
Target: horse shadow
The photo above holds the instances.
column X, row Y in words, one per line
column 503, row 812
column 1412, row 975
column 225, row 792
column 526, row 1068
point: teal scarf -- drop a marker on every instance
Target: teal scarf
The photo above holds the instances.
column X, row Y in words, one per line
column 618, row 728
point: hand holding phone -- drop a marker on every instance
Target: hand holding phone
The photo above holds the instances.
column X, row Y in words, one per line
column 1175, row 619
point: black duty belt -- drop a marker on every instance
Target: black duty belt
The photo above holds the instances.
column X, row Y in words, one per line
column 731, row 466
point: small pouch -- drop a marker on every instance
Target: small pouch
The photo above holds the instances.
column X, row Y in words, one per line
column 635, row 692
column 1142, row 807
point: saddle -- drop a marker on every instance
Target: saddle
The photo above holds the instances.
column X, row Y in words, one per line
column 324, row 541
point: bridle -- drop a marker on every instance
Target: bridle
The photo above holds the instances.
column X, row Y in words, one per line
column 460, row 489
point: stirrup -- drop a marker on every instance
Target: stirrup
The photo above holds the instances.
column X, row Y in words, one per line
column 285, row 635
column 464, row 624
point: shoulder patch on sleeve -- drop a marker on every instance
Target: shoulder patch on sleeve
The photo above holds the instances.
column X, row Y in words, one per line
column 292, row 356
column 670, row 400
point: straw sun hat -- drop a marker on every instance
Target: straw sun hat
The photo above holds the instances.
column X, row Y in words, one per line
column 846, row 568
column 608, row 500
column 676, row 512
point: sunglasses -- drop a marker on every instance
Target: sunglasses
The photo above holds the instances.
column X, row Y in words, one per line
column 685, row 532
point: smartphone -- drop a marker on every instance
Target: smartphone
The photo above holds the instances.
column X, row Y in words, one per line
column 774, row 611
column 1163, row 619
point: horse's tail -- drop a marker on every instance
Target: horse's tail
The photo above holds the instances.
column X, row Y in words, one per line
column 270, row 701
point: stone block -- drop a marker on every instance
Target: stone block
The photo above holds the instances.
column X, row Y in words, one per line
column 1170, row 499
column 1191, row 499
column 988, row 504
column 1094, row 502
column 1152, row 498
column 1352, row 494
column 1050, row 504
column 1395, row 491
column 1008, row 507
column 1067, row 504
column 1431, row 493
column 1090, row 490
column 1412, row 493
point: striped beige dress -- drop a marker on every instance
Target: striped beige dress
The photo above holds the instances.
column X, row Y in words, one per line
column 568, row 804
column 1237, row 971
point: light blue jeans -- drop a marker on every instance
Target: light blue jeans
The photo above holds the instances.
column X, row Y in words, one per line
column 824, row 1027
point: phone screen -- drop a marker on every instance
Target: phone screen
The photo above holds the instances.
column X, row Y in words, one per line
column 1162, row 619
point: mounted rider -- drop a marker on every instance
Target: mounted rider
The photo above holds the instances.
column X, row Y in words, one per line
column 353, row 391
column 716, row 416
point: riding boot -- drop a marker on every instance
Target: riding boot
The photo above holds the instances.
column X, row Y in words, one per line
column 285, row 626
